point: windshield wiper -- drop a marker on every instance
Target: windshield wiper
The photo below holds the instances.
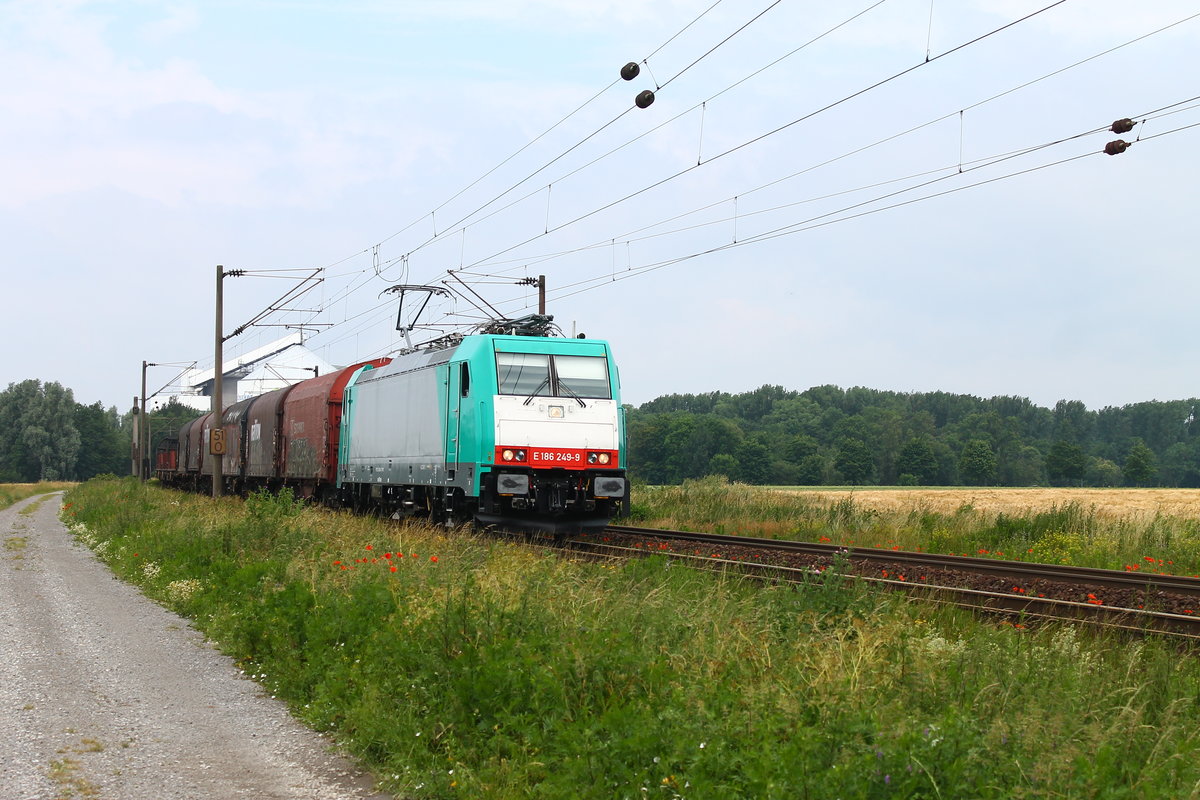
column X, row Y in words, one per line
column 570, row 391
column 533, row 394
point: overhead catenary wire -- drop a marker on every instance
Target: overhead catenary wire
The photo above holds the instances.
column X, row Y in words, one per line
column 594, row 161
column 842, row 215
column 1027, row 83
column 779, row 129
column 719, row 44
column 828, row 219
column 957, row 112
column 540, row 136
column 631, row 236
column 350, row 290
column 360, row 284
column 934, row 121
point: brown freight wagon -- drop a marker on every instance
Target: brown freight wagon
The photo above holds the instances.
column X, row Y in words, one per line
column 233, row 420
column 264, row 443
column 192, row 447
column 166, row 457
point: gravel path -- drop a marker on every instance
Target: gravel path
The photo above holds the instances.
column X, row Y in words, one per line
column 104, row 694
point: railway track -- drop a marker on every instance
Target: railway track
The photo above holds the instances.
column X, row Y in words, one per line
column 1124, row 600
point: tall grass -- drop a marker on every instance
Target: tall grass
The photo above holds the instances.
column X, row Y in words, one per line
column 1068, row 533
column 496, row 672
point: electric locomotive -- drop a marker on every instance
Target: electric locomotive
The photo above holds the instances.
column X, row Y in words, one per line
column 508, row 429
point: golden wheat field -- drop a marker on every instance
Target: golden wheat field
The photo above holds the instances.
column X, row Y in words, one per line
column 1124, row 503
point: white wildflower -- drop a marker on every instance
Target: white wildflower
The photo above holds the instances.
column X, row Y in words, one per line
column 182, row 591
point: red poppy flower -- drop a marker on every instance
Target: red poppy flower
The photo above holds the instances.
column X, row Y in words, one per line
column 433, row 559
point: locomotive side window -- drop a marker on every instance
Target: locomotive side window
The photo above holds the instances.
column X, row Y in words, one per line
column 522, row 373
column 583, row 376
column 465, row 379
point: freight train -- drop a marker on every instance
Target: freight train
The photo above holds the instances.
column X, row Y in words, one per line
column 512, row 430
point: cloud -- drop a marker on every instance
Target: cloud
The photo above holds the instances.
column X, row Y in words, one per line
column 84, row 116
column 180, row 18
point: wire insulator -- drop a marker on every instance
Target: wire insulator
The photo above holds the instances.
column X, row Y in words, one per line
column 1116, row 147
column 644, row 99
column 1122, row 126
column 630, row 71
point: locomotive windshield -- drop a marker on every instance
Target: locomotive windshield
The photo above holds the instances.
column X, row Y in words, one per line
column 553, row 376
column 582, row 376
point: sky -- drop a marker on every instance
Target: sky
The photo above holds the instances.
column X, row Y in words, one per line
column 904, row 195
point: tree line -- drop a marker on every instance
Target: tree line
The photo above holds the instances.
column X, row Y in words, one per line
column 832, row 436
column 822, row 436
column 46, row 436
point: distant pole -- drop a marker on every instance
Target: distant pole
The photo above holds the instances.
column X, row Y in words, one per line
column 143, row 444
column 542, row 295
column 218, row 363
column 135, row 444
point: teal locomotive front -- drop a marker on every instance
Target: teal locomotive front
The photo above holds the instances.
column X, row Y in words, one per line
column 510, row 430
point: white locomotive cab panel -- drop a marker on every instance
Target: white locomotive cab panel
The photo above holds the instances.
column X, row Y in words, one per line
column 555, row 422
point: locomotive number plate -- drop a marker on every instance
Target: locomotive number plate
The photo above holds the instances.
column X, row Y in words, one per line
column 557, row 456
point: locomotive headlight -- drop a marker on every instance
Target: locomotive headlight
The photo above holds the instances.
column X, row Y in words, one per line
column 593, row 458
column 604, row 458
column 556, row 412
column 508, row 455
column 520, row 455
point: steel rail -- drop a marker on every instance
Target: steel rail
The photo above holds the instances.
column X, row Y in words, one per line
column 1025, row 607
column 1089, row 576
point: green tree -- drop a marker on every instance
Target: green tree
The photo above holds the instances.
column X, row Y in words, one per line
column 854, row 461
column 1102, row 472
column 104, row 448
column 38, row 437
column 1180, row 465
column 754, row 461
column 723, row 464
column 1026, row 468
column 918, row 459
column 977, row 464
column 799, row 448
column 1140, row 465
column 812, row 470
column 1066, row 463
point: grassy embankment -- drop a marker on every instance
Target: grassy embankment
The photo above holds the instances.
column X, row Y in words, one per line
column 1134, row 529
column 12, row 492
column 462, row 667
